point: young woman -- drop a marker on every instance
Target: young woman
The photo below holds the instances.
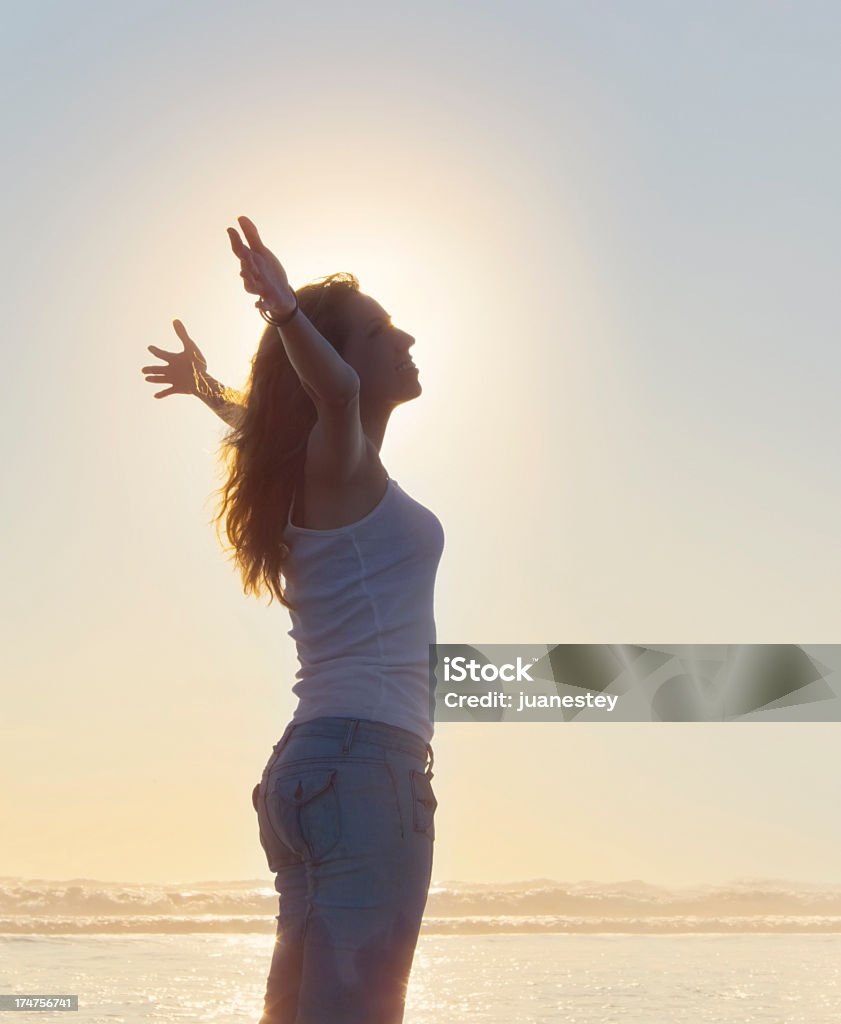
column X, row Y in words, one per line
column 345, row 807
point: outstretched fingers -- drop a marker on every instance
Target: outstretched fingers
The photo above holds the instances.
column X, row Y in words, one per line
column 249, row 271
column 237, row 244
column 186, row 340
column 249, row 229
column 161, row 354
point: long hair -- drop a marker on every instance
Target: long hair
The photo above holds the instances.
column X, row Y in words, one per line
column 264, row 453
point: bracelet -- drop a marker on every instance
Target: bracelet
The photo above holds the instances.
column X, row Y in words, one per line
column 277, row 323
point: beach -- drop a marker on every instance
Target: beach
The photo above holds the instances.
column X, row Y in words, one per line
column 493, row 979
column 535, row 951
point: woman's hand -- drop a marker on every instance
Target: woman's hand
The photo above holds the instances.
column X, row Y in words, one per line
column 261, row 271
column 185, row 372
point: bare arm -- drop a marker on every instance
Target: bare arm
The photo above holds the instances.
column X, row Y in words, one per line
column 337, row 448
column 227, row 403
column 319, row 366
column 317, row 363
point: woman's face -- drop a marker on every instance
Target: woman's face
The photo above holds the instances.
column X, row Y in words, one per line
column 375, row 348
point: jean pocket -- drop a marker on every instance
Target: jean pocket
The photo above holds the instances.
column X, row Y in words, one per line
column 308, row 808
column 278, row 853
column 424, row 803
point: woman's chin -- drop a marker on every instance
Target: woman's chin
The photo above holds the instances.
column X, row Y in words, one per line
column 409, row 394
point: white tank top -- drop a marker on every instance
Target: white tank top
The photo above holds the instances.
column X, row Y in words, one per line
column 364, row 619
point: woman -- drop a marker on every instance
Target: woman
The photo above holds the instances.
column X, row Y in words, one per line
column 345, row 806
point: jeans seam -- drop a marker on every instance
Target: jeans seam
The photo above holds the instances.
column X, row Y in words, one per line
column 330, row 759
column 396, row 799
column 418, row 798
column 386, row 744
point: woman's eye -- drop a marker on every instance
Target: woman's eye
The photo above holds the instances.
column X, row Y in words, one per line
column 385, row 326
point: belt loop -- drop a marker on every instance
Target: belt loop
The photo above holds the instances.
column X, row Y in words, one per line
column 429, row 772
column 284, row 739
column 351, row 730
column 278, row 747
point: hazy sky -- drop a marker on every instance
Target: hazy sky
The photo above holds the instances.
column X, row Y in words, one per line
column 612, row 229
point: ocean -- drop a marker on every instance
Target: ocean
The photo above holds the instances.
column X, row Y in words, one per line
column 536, row 951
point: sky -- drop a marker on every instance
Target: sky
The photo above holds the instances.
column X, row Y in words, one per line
column 612, row 230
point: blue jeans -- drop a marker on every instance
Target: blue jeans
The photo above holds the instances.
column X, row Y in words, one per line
column 346, row 817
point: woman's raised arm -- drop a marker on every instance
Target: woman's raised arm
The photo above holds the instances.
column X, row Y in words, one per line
column 320, row 368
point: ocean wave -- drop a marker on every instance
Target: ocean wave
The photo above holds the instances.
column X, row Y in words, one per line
column 26, row 927
column 42, row 906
